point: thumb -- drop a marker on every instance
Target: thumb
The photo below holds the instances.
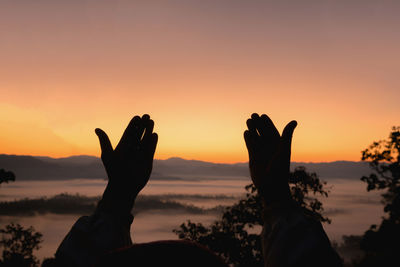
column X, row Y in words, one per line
column 105, row 144
column 287, row 135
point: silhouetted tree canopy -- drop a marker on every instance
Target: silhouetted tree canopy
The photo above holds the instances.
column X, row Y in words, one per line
column 18, row 245
column 381, row 243
column 235, row 237
column 6, row 176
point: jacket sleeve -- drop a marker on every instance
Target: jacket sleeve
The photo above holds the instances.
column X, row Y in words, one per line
column 92, row 236
column 291, row 238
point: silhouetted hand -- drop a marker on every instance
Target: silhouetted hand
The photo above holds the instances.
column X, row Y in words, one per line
column 269, row 157
column 129, row 165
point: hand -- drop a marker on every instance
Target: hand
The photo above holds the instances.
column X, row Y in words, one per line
column 269, row 157
column 129, row 165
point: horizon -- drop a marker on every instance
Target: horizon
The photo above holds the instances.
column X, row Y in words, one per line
column 181, row 158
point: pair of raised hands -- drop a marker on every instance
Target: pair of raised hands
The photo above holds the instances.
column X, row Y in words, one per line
column 129, row 165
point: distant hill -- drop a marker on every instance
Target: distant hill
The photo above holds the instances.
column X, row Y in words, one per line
column 337, row 169
column 46, row 168
column 198, row 169
column 82, row 160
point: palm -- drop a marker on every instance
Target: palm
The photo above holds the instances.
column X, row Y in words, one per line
column 269, row 155
column 129, row 165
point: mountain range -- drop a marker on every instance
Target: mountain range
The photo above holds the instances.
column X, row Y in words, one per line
column 89, row 167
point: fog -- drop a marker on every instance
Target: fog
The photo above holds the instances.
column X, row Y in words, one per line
column 351, row 208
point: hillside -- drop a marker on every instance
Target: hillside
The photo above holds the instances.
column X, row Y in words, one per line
column 46, row 168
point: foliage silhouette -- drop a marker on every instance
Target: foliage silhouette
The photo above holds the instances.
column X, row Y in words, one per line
column 381, row 243
column 18, row 244
column 235, row 236
column 349, row 249
column 6, row 176
column 81, row 205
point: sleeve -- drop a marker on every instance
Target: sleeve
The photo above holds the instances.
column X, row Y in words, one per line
column 92, row 236
column 291, row 238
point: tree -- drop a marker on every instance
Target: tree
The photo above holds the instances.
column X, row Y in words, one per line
column 234, row 237
column 18, row 244
column 381, row 244
column 384, row 159
column 6, row 176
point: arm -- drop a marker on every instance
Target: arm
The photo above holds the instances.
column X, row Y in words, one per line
column 289, row 237
column 128, row 167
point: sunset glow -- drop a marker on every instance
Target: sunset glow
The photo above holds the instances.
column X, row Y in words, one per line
column 199, row 68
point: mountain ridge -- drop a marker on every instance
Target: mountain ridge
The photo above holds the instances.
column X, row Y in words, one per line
column 28, row 167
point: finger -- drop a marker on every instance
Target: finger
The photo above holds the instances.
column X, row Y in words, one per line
column 105, row 144
column 136, row 129
column 130, row 136
column 143, row 125
column 286, row 140
column 288, row 132
column 250, row 143
column 251, row 126
column 146, row 117
column 255, row 116
column 266, row 127
column 153, row 144
column 131, row 128
column 149, row 127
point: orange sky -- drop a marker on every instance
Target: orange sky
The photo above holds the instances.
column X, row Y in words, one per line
column 199, row 68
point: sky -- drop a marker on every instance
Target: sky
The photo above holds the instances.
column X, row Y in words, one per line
column 199, row 68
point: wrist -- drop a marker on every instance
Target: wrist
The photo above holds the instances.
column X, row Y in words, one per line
column 275, row 210
column 116, row 200
column 275, row 194
column 114, row 207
